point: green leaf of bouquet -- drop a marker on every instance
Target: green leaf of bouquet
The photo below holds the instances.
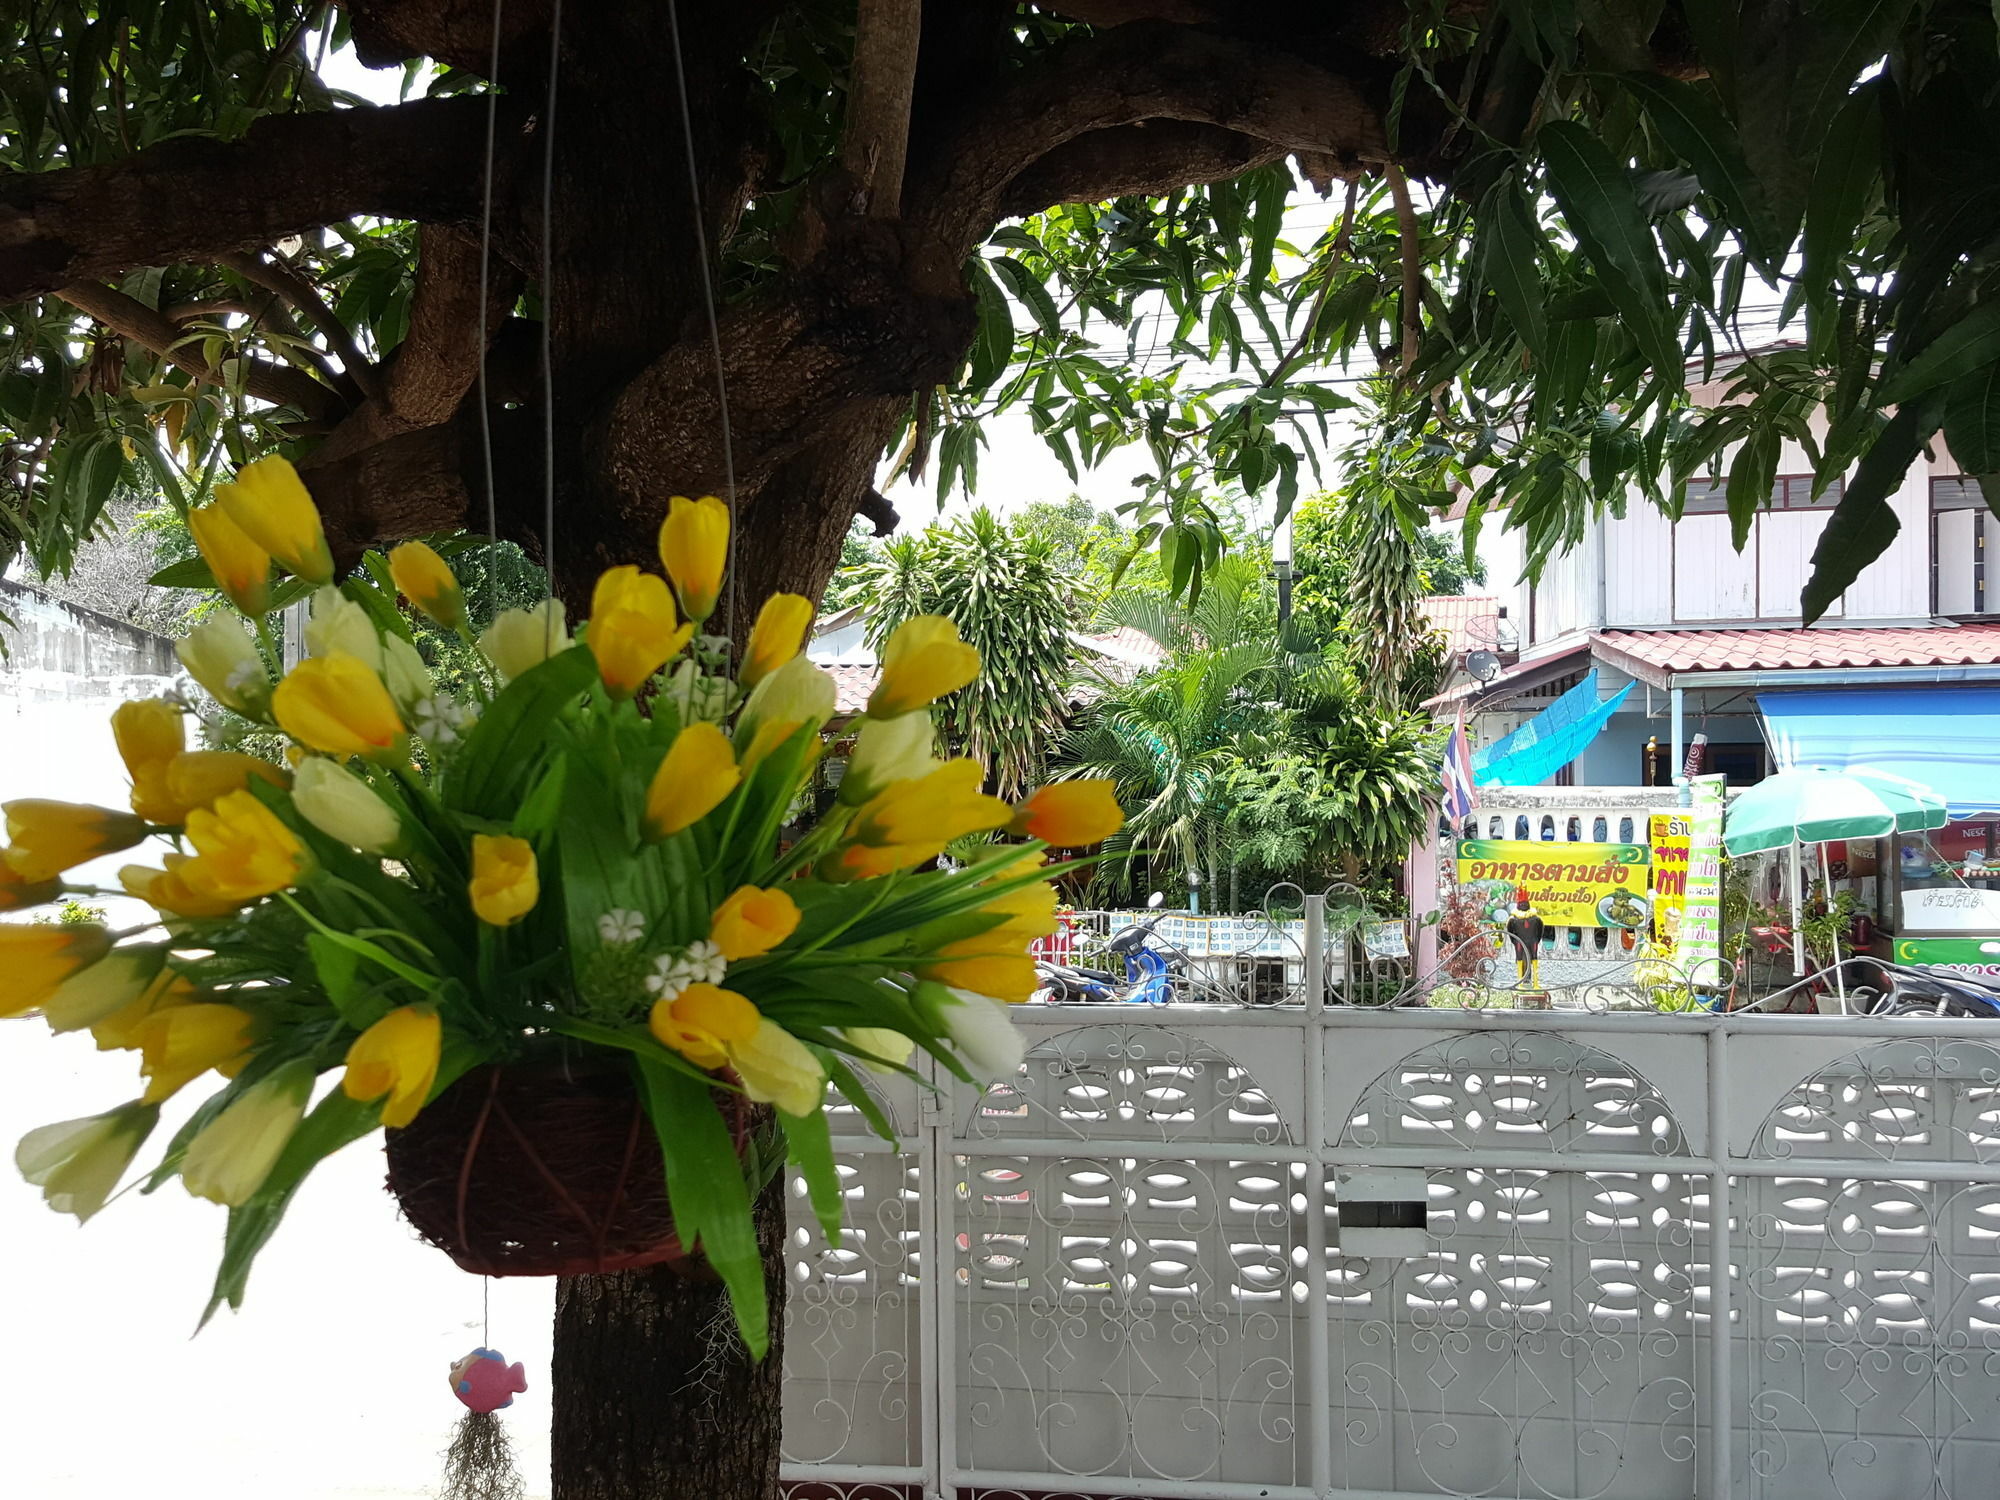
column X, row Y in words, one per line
column 339, row 971
column 858, row 1094
column 188, row 573
column 499, row 754
column 334, row 1122
column 710, row 1200
column 809, row 1145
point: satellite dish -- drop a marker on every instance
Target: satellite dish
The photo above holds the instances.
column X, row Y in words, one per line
column 1483, row 665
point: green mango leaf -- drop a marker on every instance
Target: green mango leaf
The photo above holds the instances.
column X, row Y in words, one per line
column 1511, row 262
column 1027, row 286
column 1751, row 475
column 1972, row 420
column 1601, row 209
column 994, row 346
column 1691, row 124
column 1969, row 345
column 1864, row 524
column 1845, row 178
column 710, row 1199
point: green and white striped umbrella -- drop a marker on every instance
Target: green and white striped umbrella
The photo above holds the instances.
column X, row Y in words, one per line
column 1815, row 805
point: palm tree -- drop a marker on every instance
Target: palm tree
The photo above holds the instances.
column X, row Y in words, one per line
column 1008, row 598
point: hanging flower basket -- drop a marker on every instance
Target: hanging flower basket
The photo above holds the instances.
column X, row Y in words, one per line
column 546, row 925
column 543, row 1169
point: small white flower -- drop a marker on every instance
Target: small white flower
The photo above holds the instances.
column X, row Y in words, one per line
column 698, row 963
column 620, row 927
column 440, row 719
column 711, row 650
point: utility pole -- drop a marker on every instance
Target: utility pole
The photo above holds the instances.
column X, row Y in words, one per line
column 1281, row 566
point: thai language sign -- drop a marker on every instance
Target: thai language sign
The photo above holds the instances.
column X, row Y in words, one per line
column 1978, row 957
column 1568, row 885
column 1700, row 950
column 1669, row 833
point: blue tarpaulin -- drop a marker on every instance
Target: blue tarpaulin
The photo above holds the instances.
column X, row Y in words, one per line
column 1549, row 741
column 1946, row 738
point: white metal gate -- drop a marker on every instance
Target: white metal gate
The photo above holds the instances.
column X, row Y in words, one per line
column 1144, row 1289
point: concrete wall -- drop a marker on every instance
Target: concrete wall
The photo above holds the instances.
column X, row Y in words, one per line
column 48, row 638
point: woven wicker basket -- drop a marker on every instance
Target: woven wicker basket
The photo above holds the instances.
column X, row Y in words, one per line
column 539, row 1169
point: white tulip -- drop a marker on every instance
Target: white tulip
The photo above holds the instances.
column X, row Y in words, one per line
column 77, row 1163
column 339, row 624
column 344, row 807
column 521, row 639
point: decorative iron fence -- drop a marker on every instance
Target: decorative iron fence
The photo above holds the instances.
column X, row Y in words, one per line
column 1343, row 1253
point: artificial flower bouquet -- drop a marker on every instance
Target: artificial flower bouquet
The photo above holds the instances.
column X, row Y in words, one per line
column 550, row 933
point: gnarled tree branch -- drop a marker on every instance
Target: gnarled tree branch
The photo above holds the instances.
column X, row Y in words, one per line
column 1148, row 70
column 301, row 294
column 199, row 199
column 140, row 323
column 876, row 139
column 1150, row 158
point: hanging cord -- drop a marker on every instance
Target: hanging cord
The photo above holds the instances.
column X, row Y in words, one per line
column 548, row 303
column 708, row 302
column 485, row 294
column 486, row 1312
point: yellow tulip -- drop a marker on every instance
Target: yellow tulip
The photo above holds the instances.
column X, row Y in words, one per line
column 36, row 957
column 120, row 1029
column 229, row 1160
column 197, row 778
column 1070, row 814
column 242, row 569
column 776, row 1068
column 168, row 890
column 242, row 850
column 887, row 751
column 930, row 810
column 338, row 624
column 345, row 808
column 17, row 892
column 426, row 580
column 865, row 862
column 703, row 1022
column 753, row 921
column 219, row 654
column 115, row 981
column 397, row 1056
column 776, row 637
column 149, row 734
column 270, row 503
column 886, row 1050
column 982, row 1033
column 182, row 1042
column 699, row 771
column 47, row 838
column 504, row 885
column 694, row 548
column 522, row 639
column 799, row 692
column 77, row 1163
column 336, row 705
column 767, row 737
column 971, row 965
column 923, row 660
column 633, row 628
column 1030, row 912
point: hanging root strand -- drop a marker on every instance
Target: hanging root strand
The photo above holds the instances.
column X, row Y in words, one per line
column 479, row 1464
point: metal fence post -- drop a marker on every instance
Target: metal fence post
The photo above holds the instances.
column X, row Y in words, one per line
column 1319, row 1397
column 1721, row 1405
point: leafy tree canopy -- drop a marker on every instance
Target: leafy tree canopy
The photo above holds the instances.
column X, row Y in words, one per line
column 1546, row 221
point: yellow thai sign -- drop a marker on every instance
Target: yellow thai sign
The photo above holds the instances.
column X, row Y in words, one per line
column 1670, row 835
column 1568, row 885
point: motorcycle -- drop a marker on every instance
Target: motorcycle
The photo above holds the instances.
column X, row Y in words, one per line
column 1906, row 991
column 1149, row 978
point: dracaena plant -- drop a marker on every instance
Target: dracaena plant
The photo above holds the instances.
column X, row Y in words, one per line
column 586, row 852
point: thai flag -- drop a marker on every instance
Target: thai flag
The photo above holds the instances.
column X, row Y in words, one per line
column 1459, row 797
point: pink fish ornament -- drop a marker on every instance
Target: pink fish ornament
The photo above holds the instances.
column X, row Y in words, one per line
column 485, row 1382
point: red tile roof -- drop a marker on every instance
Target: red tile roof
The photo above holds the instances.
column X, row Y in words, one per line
column 1452, row 615
column 851, row 687
column 1651, row 652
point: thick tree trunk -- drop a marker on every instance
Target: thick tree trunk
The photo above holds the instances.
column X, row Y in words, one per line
column 655, row 1396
